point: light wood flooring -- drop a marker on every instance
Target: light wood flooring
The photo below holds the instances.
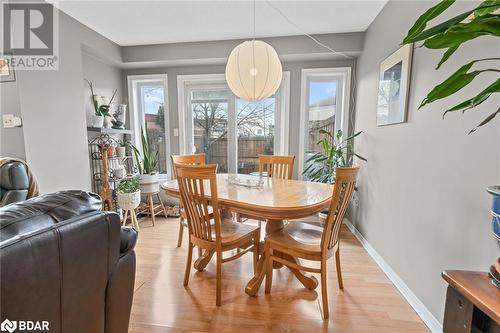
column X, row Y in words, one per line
column 368, row 303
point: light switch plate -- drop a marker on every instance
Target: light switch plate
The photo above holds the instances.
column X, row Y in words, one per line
column 176, row 131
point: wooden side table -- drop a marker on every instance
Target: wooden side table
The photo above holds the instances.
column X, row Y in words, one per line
column 150, row 208
column 472, row 303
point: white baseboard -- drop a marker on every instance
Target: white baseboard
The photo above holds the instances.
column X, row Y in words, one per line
column 432, row 323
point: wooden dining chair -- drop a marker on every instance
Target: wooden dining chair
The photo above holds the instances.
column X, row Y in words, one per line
column 276, row 166
column 310, row 242
column 196, row 159
column 198, row 189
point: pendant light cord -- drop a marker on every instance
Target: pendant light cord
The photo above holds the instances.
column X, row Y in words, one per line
column 354, row 59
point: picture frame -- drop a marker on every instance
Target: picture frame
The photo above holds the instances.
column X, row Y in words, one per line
column 393, row 87
column 7, row 73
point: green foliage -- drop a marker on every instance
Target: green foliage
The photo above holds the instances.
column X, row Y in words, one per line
column 124, row 143
column 128, row 185
column 483, row 20
column 100, row 110
column 321, row 167
column 147, row 162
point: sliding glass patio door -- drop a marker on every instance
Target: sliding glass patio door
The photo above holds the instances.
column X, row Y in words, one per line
column 230, row 131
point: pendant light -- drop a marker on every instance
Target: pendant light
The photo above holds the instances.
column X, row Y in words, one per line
column 253, row 70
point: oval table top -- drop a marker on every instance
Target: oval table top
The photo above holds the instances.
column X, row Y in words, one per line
column 277, row 199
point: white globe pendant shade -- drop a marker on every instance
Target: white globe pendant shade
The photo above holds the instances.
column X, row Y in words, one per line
column 253, row 71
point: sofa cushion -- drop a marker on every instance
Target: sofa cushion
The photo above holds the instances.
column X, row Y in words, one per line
column 23, row 217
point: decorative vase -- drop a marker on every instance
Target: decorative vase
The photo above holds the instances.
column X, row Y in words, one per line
column 97, row 121
column 119, row 115
column 120, row 151
column 149, row 183
column 129, row 200
column 108, row 122
column 111, row 151
column 119, row 172
column 495, row 223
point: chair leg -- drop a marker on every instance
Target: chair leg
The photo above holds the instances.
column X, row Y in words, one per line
column 219, row 278
column 133, row 217
column 324, row 292
column 125, row 216
column 151, row 208
column 188, row 264
column 256, row 244
column 269, row 267
column 181, row 231
column 339, row 269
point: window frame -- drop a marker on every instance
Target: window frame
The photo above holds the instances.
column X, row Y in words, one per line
column 135, row 82
column 185, row 84
column 307, row 74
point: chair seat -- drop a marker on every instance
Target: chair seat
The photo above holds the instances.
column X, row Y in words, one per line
column 232, row 232
column 300, row 236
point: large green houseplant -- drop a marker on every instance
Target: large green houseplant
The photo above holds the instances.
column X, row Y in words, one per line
column 147, row 163
column 483, row 20
column 336, row 153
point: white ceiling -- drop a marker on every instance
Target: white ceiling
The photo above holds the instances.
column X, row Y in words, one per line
column 156, row 22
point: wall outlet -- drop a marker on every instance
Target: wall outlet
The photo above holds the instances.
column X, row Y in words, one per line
column 11, row 121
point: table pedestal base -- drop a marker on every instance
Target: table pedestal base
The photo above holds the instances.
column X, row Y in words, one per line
column 252, row 287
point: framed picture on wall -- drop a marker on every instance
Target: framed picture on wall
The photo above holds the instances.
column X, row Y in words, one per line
column 394, row 82
column 6, row 70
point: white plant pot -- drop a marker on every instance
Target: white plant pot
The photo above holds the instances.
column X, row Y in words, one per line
column 149, row 183
column 97, row 121
column 108, row 122
column 120, row 172
column 129, row 200
column 120, row 151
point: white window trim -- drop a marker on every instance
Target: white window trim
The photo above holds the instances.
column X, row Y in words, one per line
column 137, row 121
column 345, row 74
column 183, row 82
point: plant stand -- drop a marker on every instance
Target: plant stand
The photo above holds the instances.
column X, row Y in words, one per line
column 149, row 207
column 133, row 218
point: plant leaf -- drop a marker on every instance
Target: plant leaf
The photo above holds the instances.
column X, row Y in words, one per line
column 447, row 55
column 422, row 21
column 486, row 120
column 478, row 99
column 452, row 84
column 462, row 32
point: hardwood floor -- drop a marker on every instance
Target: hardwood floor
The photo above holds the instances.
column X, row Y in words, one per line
column 369, row 302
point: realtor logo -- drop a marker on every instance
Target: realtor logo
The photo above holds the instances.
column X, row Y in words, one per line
column 8, row 326
column 29, row 33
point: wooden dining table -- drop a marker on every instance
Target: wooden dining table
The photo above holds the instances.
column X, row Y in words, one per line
column 276, row 201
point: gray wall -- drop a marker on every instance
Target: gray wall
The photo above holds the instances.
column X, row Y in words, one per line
column 52, row 104
column 423, row 205
column 294, row 67
column 11, row 139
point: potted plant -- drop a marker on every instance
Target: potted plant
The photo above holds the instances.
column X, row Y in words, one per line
column 101, row 108
column 337, row 153
column 128, row 193
column 147, row 163
column 121, row 149
column 450, row 35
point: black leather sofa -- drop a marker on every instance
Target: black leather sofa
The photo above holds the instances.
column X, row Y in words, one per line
column 66, row 262
column 14, row 183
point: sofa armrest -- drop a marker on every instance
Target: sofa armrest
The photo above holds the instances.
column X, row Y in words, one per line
column 128, row 239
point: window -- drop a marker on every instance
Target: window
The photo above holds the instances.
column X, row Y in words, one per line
column 325, row 104
column 230, row 131
column 148, row 96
